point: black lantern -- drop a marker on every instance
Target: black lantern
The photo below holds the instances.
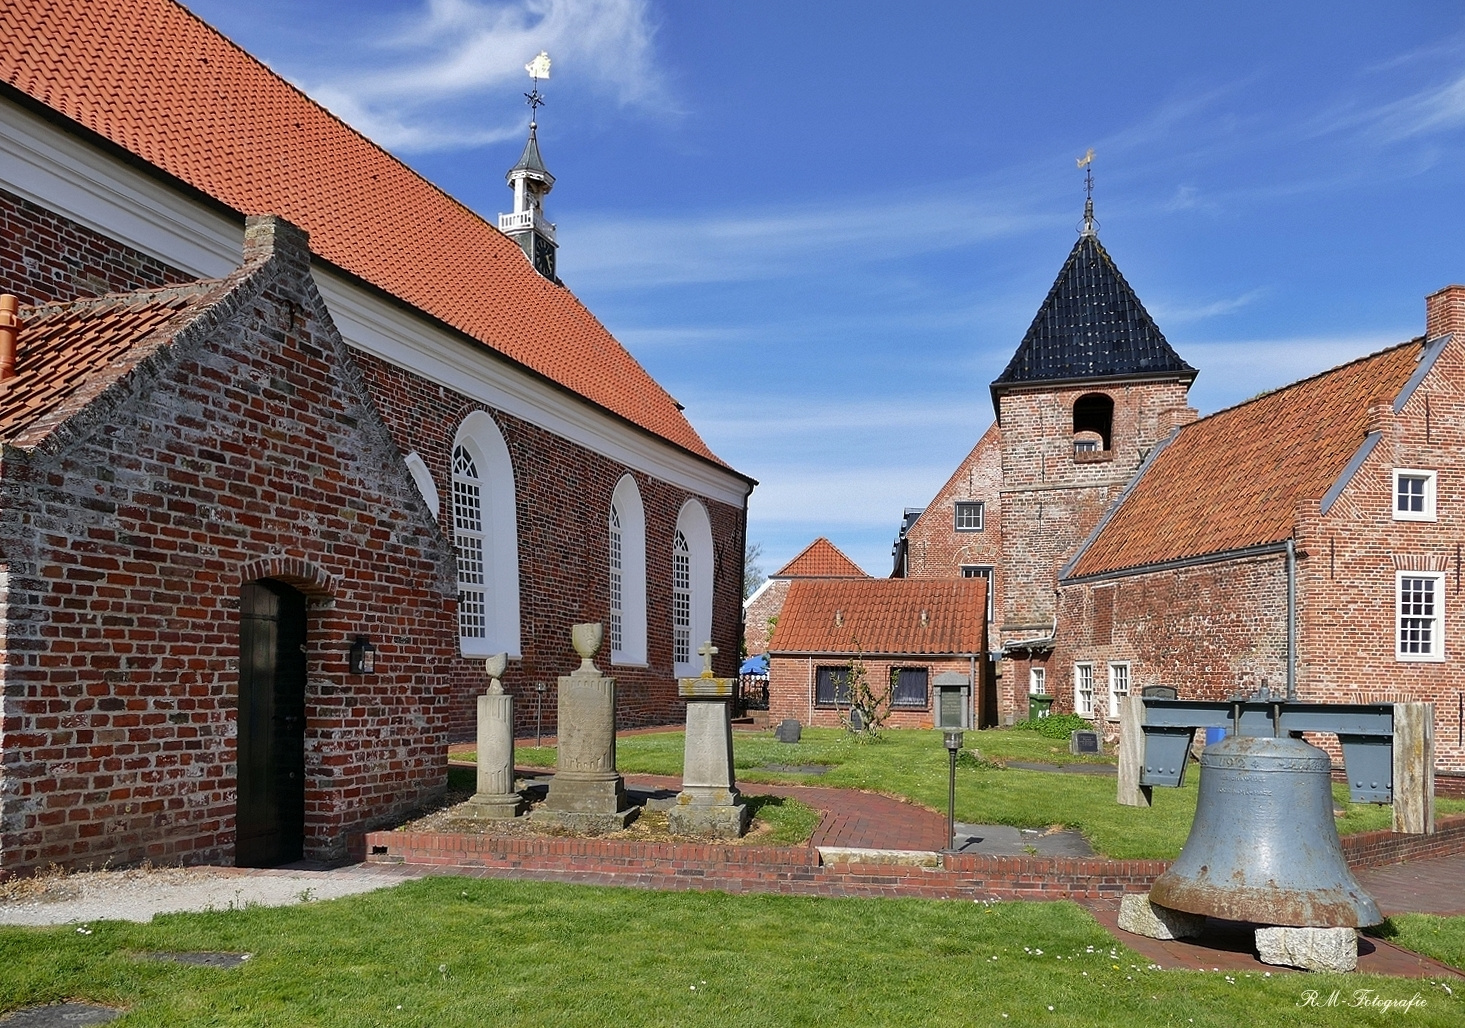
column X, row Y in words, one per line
column 953, row 745
column 363, row 656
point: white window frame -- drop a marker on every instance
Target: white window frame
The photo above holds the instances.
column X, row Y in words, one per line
column 696, row 528
column 1119, row 669
column 986, row 571
column 626, row 503
column 480, row 437
column 1083, row 700
column 1429, row 478
column 1037, row 681
column 1436, row 629
column 981, row 515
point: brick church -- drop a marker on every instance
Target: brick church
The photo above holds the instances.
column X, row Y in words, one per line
column 292, row 440
column 1307, row 539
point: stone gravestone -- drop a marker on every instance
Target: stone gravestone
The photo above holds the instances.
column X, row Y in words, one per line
column 496, row 798
column 788, row 730
column 586, row 793
column 1084, row 741
column 708, row 805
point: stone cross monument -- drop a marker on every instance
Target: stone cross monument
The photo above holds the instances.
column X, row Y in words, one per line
column 709, row 805
column 586, row 793
column 496, row 797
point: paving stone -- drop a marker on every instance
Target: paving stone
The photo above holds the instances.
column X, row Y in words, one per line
column 1138, row 916
column 60, row 1015
column 201, row 958
column 1313, row 949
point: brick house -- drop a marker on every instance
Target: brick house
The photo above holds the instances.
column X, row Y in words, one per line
column 925, row 639
column 552, row 480
column 1130, row 544
column 820, row 559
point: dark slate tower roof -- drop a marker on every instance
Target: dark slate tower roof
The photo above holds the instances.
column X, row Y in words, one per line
column 530, row 160
column 1091, row 326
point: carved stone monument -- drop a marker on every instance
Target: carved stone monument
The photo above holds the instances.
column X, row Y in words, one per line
column 586, row 794
column 496, row 798
column 708, row 806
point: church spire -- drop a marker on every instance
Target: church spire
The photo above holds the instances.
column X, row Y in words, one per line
column 531, row 182
column 1090, row 226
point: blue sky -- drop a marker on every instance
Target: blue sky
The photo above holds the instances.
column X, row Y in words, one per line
column 825, row 227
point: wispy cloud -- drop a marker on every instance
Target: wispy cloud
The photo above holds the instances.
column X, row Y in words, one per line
column 1179, row 313
column 417, row 80
column 821, row 497
column 749, row 245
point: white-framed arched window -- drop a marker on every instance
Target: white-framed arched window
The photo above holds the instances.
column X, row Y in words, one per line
column 627, row 555
column 691, row 588
column 486, row 538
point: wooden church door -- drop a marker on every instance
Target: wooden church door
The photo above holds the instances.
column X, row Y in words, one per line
column 270, row 818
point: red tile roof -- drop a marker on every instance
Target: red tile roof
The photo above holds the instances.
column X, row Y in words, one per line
column 820, row 559
column 68, row 352
column 1233, row 480
column 882, row 615
column 154, row 79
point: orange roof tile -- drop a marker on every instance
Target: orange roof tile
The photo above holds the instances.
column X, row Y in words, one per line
column 154, row 79
column 820, row 559
column 1233, row 480
column 882, row 615
column 67, row 352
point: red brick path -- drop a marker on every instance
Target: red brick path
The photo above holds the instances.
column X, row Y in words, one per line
column 1435, row 886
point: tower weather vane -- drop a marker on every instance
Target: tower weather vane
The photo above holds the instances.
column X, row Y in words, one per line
column 537, row 69
column 1090, row 226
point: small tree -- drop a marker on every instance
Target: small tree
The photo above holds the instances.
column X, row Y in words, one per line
column 868, row 710
column 752, row 571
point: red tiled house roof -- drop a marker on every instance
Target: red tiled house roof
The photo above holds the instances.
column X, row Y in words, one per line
column 158, row 82
column 820, row 559
column 882, row 615
column 70, row 352
column 1233, row 480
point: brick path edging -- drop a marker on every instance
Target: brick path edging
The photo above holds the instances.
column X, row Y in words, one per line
column 798, row 869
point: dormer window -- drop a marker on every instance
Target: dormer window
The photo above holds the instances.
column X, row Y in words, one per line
column 1414, row 495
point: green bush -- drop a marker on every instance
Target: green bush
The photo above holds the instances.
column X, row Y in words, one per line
column 1057, row 726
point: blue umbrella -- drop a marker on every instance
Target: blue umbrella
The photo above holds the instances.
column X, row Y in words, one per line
column 755, row 665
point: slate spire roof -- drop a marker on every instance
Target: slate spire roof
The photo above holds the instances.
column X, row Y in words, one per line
column 531, row 161
column 1091, row 325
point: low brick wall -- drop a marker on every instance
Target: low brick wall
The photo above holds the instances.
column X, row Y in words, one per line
column 798, row 869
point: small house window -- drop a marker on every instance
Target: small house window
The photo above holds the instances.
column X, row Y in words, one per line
column 1083, row 689
column 1118, row 686
column 1037, row 681
column 980, row 571
column 1420, row 610
column 908, row 687
column 969, row 515
column 831, row 686
column 1414, row 495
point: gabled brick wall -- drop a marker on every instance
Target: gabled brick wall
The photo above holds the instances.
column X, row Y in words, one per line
column 246, row 449
column 760, row 611
column 935, row 549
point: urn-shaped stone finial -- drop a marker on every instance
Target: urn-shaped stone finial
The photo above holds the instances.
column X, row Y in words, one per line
column 586, row 639
column 494, row 666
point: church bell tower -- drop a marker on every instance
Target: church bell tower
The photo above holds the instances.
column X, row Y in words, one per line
column 531, row 182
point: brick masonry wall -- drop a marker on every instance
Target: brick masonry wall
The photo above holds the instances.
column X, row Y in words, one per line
column 760, row 611
column 563, row 528
column 791, row 687
column 1206, row 630
column 1349, row 559
column 247, row 449
column 44, row 258
column 1053, row 497
column 935, row 548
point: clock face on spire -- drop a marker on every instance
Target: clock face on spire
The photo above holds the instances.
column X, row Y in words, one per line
column 544, row 256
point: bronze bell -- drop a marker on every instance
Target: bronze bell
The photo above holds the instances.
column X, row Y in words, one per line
column 1263, row 847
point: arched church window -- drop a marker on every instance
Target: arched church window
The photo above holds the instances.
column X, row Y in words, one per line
column 627, row 558
column 486, row 540
column 691, row 588
column 1093, row 423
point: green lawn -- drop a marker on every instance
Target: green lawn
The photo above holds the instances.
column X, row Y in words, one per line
column 1440, row 937
column 912, row 764
column 456, row 951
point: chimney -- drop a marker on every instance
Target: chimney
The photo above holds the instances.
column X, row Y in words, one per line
column 9, row 334
column 1444, row 312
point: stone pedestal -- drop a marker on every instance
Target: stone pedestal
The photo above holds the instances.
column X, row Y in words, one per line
column 586, row 793
column 1139, row 916
column 496, row 797
column 708, row 806
column 1312, row 949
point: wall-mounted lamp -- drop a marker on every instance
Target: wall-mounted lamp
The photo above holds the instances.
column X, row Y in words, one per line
column 363, row 656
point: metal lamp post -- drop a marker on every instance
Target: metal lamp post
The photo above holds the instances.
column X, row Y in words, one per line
column 953, row 747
